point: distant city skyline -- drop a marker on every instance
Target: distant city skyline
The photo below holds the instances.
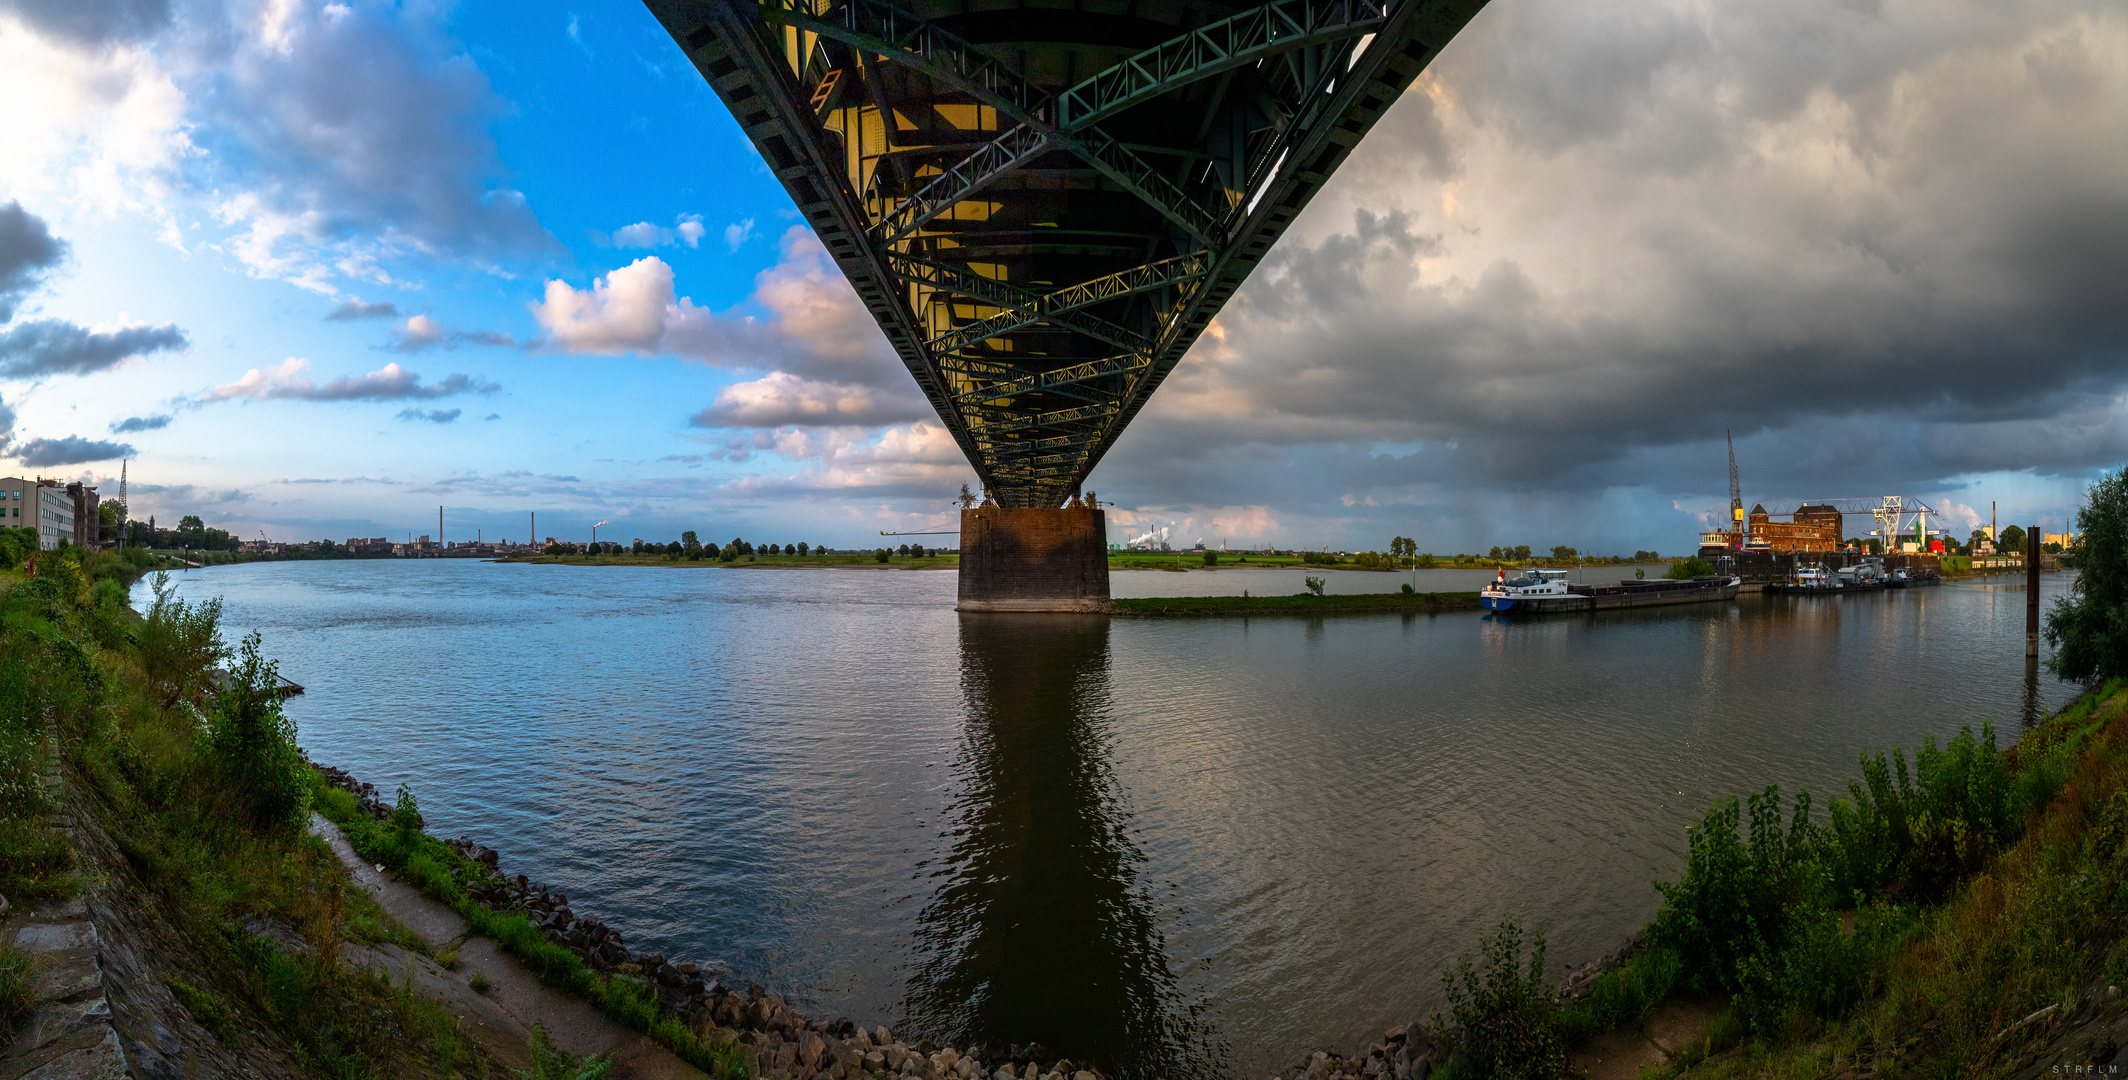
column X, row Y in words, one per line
column 316, row 268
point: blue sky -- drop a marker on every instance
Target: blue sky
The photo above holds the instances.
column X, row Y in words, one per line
column 1883, row 243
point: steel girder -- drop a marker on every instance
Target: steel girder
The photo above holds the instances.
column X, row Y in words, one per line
column 957, row 163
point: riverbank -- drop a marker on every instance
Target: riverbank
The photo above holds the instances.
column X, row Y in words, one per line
column 163, row 910
column 838, row 559
column 1297, row 604
column 697, row 1009
column 1969, row 918
column 172, row 902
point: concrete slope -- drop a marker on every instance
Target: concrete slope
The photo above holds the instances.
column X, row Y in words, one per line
column 501, row 1019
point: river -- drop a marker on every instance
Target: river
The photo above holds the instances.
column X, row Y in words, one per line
column 1187, row 847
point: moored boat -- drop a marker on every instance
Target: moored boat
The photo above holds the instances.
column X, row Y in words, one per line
column 1814, row 578
column 1545, row 591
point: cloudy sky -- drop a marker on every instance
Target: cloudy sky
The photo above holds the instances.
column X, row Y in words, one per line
column 319, row 268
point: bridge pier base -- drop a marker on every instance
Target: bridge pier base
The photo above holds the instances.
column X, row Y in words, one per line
column 1031, row 559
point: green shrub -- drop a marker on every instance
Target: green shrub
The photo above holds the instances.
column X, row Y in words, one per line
column 1687, row 568
column 204, row 1007
column 1735, row 893
column 2088, row 628
column 1314, row 584
column 251, row 743
column 1509, row 1022
column 179, row 641
column 1623, row 996
column 1923, row 833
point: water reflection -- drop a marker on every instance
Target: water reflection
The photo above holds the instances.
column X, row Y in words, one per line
column 1042, row 931
column 2035, row 707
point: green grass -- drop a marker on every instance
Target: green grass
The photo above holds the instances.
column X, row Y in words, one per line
column 1297, row 604
column 18, row 994
column 137, row 758
column 441, row 874
column 1927, row 911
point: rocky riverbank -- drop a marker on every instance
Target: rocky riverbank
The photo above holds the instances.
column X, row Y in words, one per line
column 780, row 1041
column 1413, row 1051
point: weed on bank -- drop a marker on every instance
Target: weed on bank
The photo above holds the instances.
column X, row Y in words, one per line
column 197, row 783
column 443, row 874
column 1909, row 927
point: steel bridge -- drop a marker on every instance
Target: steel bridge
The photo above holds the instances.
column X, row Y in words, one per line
column 1044, row 202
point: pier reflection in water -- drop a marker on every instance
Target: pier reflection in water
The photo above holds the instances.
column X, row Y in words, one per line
column 1077, row 833
column 1040, row 929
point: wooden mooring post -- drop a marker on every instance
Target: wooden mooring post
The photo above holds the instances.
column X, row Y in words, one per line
column 2032, row 592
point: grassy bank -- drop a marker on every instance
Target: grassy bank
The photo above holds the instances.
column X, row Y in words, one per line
column 442, row 873
column 1910, row 928
column 1297, row 604
column 193, row 803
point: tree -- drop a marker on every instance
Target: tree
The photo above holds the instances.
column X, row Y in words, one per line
column 881, row 555
column 904, row 549
column 1520, row 553
column 804, row 547
column 967, row 498
column 1563, row 553
column 2088, row 629
column 1687, row 568
column 688, row 541
column 1403, row 547
column 2013, row 539
column 916, row 550
column 192, row 523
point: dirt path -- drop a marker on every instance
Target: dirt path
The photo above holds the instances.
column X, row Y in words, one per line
column 500, row 1019
column 1620, row 1055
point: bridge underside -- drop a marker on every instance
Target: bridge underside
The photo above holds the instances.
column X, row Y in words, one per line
column 1044, row 202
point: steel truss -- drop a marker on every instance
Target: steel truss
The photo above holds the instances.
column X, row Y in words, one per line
column 956, row 164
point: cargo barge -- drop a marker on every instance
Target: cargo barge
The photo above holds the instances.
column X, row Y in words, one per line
column 1547, row 591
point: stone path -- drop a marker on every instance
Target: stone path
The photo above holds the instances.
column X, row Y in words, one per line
column 70, row 1034
column 500, row 1019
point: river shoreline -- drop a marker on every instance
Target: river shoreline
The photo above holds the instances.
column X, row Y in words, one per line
column 781, row 1042
column 1297, row 604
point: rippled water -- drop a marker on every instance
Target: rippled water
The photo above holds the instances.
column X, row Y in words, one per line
column 1181, row 847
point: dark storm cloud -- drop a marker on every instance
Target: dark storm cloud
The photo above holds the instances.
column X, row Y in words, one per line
column 1881, row 245
column 354, row 309
column 92, row 22
column 27, row 251
column 72, row 450
column 52, row 347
